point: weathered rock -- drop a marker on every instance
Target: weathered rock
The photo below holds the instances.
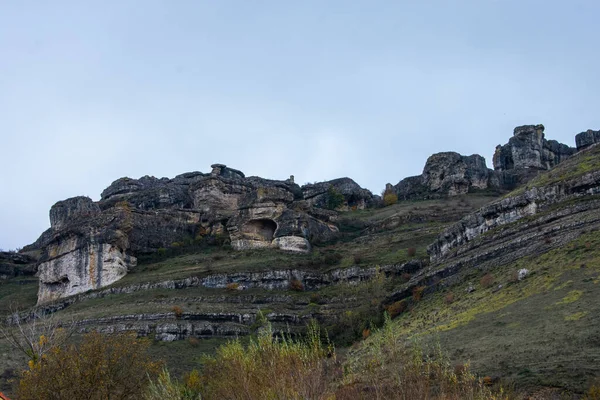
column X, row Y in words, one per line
column 78, row 264
column 91, row 245
column 511, row 209
column 354, row 196
column 72, row 209
column 515, row 163
column 446, row 174
column 528, row 148
column 16, row 264
column 587, row 139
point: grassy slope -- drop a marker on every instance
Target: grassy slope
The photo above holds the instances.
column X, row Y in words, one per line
column 541, row 331
column 384, row 246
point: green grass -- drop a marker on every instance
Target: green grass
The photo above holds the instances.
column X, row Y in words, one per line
column 542, row 331
column 578, row 165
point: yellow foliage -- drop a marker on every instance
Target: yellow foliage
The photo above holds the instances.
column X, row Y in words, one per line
column 100, row 367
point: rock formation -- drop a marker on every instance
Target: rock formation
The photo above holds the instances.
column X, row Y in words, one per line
column 446, row 174
column 93, row 244
column 587, row 139
column 515, row 163
column 528, row 148
column 16, row 264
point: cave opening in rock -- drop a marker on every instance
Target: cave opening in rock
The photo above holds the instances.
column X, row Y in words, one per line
column 260, row 229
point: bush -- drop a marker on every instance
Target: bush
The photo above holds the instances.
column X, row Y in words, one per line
column 194, row 341
column 386, row 368
column 296, row 285
column 167, row 388
column 417, row 293
column 231, row 286
column 390, row 198
column 487, row 281
column 268, row 368
column 178, row 311
column 411, row 252
column 334, row 198
column 449, row 298
column 100, row 367
column 396, row 308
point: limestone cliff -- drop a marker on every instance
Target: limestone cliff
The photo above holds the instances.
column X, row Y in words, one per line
column 521, row 159
column 528, row 148
column 93, row 244
column 587, row 139
column 446, row 174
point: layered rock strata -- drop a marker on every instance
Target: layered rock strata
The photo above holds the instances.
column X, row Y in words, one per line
column 93, row 244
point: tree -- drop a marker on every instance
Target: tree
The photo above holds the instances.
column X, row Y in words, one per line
column 35, row 334
column 334, row 198
column 100, row 367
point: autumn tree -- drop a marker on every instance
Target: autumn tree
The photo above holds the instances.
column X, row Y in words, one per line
column 100, row 367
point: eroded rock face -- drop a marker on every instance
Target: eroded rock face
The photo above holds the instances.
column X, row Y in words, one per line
column 72, row 209
column 16, row 264
column 354, row 196
column 587, row 139
column 93, row 244
column 528, row 148
column 78, row 265
column 521, row 159
column 509, row 210
column 446, row 174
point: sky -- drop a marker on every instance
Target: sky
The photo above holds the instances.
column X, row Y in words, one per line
column 91, row 91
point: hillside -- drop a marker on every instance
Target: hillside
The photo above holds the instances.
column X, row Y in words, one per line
column 500, row 266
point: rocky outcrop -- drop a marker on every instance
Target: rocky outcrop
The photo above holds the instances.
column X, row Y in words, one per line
column 93, row 244
column 528, row 148
column 72, row 209
column 515, row 163
column 587, row 139
column 511, row 209
column 446, row 174
column 16, row 264
column 78, row 265
column 352, row 196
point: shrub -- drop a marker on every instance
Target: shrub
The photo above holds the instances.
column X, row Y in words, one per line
column 449, row 298
column 411, row 252
column 268, row 368
column 405, row 277
column 396, row 308
column 389, row 369
column 178, row 311
column 366, row 333
column 593, row 393
column 487, row 280
column 358, row 258
column 332, row 258
column 100, row 367
column 167, row 388
column 194, row 341
column 296, row 285
column 334, row 198
column 390, row 198
column 417, row 293
column 231, row 286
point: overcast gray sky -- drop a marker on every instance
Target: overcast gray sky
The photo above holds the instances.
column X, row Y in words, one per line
column 91, row 91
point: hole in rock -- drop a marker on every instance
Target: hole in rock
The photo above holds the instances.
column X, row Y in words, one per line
column 260, row 229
